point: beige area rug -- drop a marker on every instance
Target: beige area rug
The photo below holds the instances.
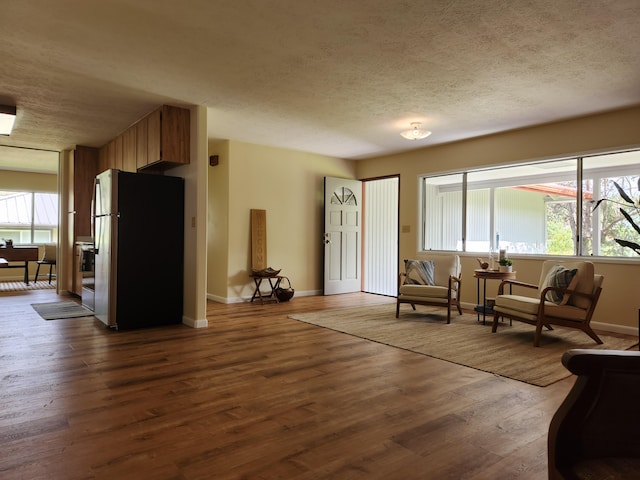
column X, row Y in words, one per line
column 12, row 286
column 508, row 353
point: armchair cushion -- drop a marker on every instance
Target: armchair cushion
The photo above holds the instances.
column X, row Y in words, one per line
column 559, row 277
column 584, row 284
column 446, row 266
column 422, row 291
column 518, row 303
column 419, row 272
column 527, row 307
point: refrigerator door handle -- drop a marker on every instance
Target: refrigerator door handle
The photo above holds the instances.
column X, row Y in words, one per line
column 97, row 231
column 99, row 220
column 93, row 211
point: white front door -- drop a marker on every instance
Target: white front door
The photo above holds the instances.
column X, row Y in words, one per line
column 342, row 235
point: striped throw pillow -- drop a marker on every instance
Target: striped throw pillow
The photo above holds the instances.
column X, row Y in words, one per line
column 419, row 272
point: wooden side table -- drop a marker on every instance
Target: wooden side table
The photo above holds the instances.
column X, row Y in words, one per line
column 274, row 283
column 485, row 275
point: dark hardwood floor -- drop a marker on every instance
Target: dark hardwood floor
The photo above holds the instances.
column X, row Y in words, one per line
column 254, row 396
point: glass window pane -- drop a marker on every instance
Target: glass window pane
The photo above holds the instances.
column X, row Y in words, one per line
column 478, row 220
column 27, row 217
column 46, row 210
column 526, row 209
column 442, row 212
column 606, row 224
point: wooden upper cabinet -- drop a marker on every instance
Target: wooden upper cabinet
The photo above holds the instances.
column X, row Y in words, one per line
column 103, row 158
column 117, row 151
column 129, row 150
column 168, row 137
column 85, row 169
column 141, row 143
column 154, row 137
column 157, row 142
column 175, row 134
column 110, row 155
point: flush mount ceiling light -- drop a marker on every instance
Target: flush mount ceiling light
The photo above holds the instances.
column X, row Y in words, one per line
column 7, row 119
column 416, row 133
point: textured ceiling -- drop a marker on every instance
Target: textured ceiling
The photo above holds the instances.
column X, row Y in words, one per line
column 336, row 77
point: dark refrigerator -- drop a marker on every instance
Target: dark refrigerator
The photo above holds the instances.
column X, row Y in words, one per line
column 139, row 249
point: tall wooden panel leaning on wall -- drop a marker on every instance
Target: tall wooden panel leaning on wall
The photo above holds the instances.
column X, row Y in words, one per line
column 258, row 239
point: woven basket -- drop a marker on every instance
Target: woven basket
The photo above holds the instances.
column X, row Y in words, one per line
column 284, row 294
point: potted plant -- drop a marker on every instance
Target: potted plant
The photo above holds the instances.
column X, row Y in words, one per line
column 506, row 265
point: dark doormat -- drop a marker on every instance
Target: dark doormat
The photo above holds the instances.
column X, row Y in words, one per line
column 61, row 310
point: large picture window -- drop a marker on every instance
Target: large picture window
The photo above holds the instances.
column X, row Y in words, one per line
column 537, row 208
column 28, row 217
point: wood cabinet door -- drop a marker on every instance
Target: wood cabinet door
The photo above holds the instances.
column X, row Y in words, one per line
column 103, row 158
column 154, row 137
column 175, row 134
column 85, row 169
column 117, row 152
column 111, row 155
column 141, row 143
column 129, row 150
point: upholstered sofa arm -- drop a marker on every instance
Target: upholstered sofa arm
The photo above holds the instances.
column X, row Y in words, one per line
column 593, row 434
column 585, row 361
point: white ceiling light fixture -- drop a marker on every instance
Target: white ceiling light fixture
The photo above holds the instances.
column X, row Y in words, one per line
column 416, row 133
column 7, row 119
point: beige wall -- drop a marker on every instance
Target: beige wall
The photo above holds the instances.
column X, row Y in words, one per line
column 619, row 303
column 289, row 186
column 28, row 181
column 218, row 222
column 195, row 220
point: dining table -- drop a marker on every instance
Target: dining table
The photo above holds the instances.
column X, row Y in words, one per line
column 18, row 257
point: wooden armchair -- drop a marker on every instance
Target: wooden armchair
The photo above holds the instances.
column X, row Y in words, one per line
column 594, row 432
column 567, row 296
column 435, row 281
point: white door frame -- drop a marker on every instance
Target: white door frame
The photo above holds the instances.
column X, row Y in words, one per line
column 342, row 235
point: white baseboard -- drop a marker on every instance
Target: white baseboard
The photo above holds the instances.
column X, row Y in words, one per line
column 216, row 298
column 607, row 327
column 190, row 322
